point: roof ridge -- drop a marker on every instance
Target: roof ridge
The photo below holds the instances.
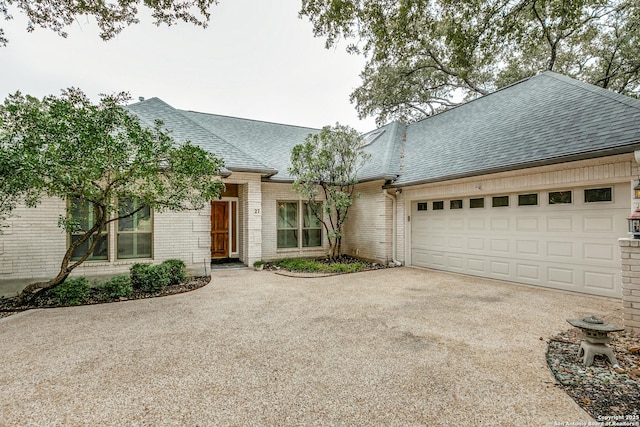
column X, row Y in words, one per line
column 181, row 112
column 249, row 120
column 614, row 96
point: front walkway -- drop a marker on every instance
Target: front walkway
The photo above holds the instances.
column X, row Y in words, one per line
column 391, row 347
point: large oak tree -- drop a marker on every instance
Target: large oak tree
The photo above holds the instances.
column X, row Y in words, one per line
column 111, row 16
column 101, row 161
column 424, row 56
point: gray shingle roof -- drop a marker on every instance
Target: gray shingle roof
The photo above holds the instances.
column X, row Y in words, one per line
column 542, row 120
column 545, row 119
column 270, row 142
column 182, row 128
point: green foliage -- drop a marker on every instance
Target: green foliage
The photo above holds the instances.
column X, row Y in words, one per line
column 428, row 55
column 305, row 265
column 96, row 155
column 326, row 165
column 117, row 286
column 150, row 278
column 111, row 17
column 72, row 291
column 177, row 271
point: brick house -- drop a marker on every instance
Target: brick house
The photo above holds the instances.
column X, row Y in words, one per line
column 530, row 184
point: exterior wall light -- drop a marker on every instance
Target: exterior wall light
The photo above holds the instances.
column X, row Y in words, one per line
column 634, row 223
column 636, row 191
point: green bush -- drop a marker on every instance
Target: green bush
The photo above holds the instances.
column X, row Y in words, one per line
column 116, row 287
column 177, row 271
column 149, row 278
column 71, row 291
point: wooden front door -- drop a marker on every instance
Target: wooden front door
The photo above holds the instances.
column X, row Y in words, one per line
column 220, row 229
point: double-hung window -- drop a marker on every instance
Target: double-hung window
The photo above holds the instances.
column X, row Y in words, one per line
column 83, row 215
column 297, row 226
column 135, row 230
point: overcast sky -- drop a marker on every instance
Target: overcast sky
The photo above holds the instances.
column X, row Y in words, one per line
column 256, row 60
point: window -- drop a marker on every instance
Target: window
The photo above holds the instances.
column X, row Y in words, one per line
column 476, row 203
column 559, row 197
column 438, row 206
column 290, row 228
column 311, row 226
column 422, row 206
column 527, row 199
column 82, row 212
column 135, row 232
column 598, row 195
column 500, row 201
column 455, row 204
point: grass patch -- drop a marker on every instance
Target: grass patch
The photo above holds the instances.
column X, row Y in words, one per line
column 306, row 265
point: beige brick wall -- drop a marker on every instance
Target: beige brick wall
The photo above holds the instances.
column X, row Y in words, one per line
column 33, row 245
column 630, row 259
column 271, row 193
column 369, row 226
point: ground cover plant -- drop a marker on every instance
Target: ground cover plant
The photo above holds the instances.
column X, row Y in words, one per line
column 144, row 281
column 343, row 264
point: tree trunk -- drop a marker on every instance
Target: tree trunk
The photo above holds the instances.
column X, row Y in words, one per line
column 30, row 293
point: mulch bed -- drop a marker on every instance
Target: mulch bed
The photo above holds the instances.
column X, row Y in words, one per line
column 9, row 306
column 611, row 395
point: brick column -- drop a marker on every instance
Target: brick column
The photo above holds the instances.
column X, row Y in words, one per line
column 630, row 259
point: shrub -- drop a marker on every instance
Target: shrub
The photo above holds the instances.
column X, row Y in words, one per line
column 71, row 291
column 116, row 287
column 149, row 278
column 177, row 271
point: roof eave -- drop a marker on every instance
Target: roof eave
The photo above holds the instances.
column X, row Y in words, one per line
column 524, row 165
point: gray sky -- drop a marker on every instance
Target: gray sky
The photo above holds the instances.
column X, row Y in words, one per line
column 256, row 60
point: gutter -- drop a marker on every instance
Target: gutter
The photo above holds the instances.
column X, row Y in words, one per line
column 394, row 238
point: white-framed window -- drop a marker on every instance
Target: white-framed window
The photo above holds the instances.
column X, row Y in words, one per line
column 134, row 232
column 82, row 212
column 297, row 226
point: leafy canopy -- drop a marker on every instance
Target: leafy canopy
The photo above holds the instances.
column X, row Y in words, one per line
column 327, row 164
column 424, row 56
column 111, row 16
column 97, row 155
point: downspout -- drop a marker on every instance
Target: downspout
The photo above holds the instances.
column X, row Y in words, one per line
column 394, row 234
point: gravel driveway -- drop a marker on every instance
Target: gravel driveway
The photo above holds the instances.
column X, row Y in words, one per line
column 400, row 346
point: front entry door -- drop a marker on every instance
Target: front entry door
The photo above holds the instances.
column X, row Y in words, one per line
column 220, row 229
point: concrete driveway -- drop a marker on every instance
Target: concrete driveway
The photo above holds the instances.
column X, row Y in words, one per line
column 393, row 347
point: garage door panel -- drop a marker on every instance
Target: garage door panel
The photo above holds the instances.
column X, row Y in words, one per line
column 598, row 224
column 560, row 249
column 599, row 252
column 599, row 280
column 560, row 223
column 566, row 246
column 500, row 224
column 527, row 247
column 527, row 224
column 528, row 272
column 500, row 246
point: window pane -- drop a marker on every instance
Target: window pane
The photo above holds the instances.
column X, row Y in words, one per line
column 500, row 201
column 527, row 199
column 100, row 252
column 287, row 215
column 557, row 197
column 312, row 238
column 476, row 203
column 422, row 206
column 455, row 204
column 308, row 218
column 438, row 206
column 134, row 245
column 139, row 221
column 287, row 238
column 598, row 195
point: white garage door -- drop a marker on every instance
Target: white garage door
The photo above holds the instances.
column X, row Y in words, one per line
column 565, row 239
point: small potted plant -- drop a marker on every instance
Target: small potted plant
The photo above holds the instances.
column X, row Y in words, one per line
column 258, row 265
